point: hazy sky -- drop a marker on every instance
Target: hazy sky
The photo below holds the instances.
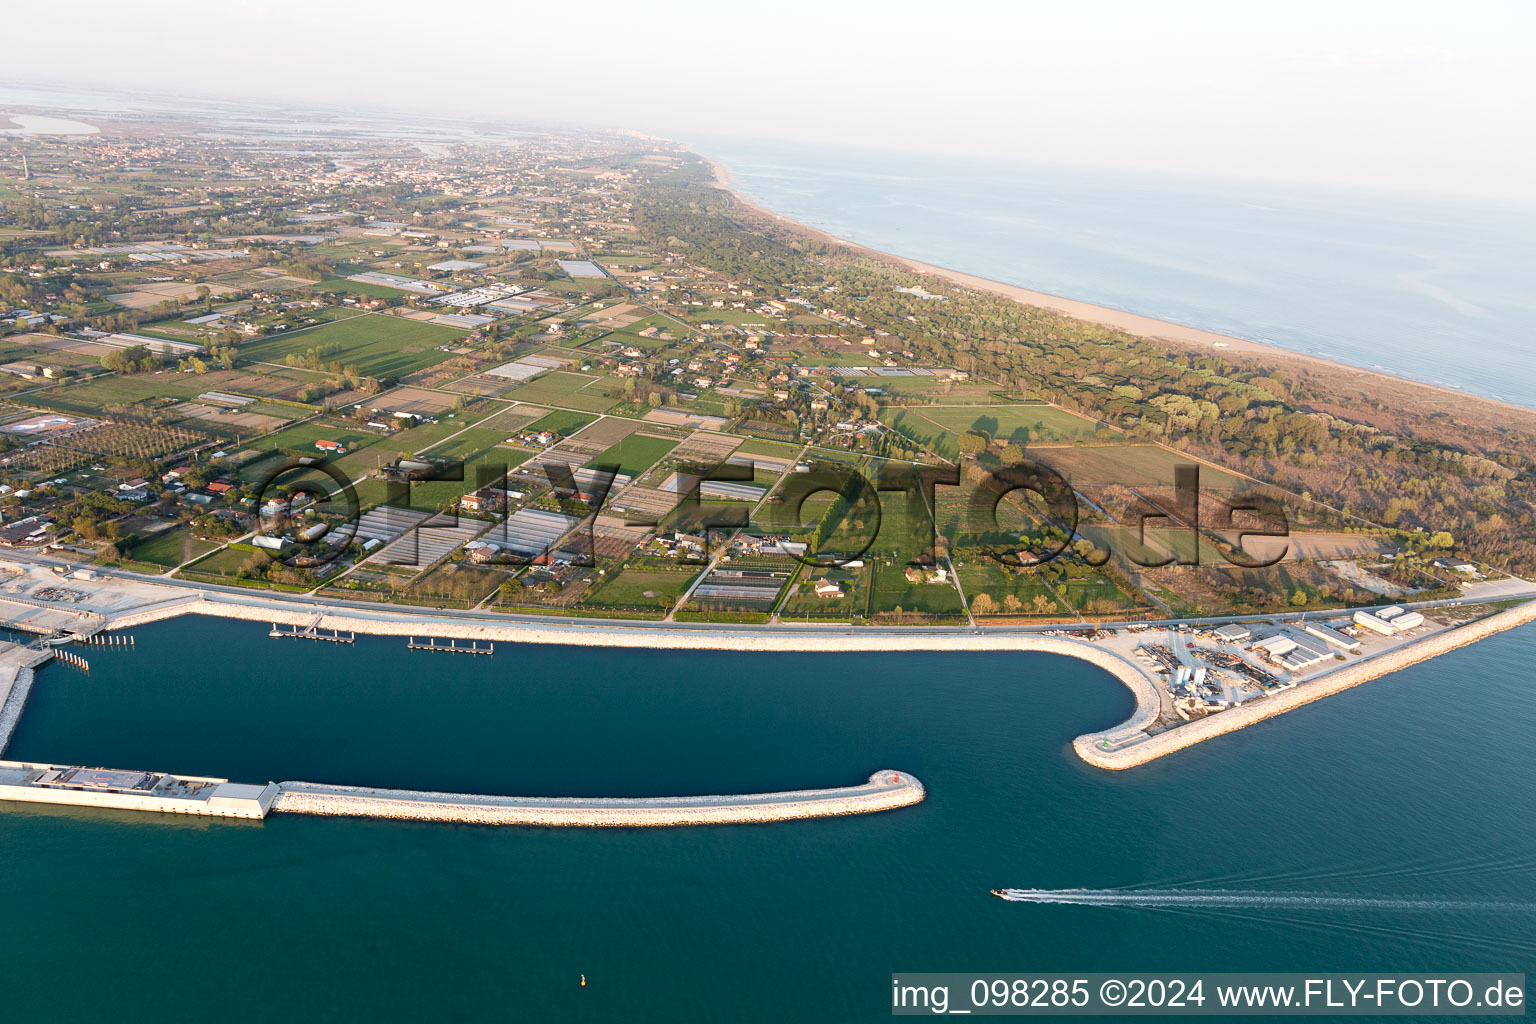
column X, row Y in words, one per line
column 1402, row 95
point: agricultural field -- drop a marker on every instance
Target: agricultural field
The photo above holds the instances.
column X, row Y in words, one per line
column 104, row 440
column 170, row 548
column 630, row 334
column 561, row 422
column 946, row 392
column 511, row 419
column 803, row 603
column 378, row 344
column 939, row 427
column 46, row 350
column 635, row 454
column 455, row 585
column 1094, row 595
column 1129, row 465
column 302, row 438
column 368, row 289
column 486, row 465
column 894, row 599
column 980, row 575
column 227, row 562
column 424, row 435
column 563, row 388
column 471, row 441
column 647, row 584
column 108, row 392
column 770, row 449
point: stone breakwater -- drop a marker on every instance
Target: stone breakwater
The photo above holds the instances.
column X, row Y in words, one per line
column 386, row 621
column 16, row 678
column 886, row 790
column 16, row 689
column 1092, row 747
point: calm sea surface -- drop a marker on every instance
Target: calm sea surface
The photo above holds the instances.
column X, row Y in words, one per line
column 1433, row 291
column 1417, row 786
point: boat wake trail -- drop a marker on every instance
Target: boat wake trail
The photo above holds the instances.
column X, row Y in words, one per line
column 1255, row 898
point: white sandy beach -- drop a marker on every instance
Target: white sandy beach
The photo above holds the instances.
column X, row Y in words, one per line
column 1401, row 390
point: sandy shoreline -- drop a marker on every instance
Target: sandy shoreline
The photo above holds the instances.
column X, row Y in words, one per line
column 1434, row 397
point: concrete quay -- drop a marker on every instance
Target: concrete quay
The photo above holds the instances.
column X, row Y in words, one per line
column 159, row 792
column 886, row 790
column 1109, row 750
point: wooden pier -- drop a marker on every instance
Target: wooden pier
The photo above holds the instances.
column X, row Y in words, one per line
column 452, row 646
column 312, row 633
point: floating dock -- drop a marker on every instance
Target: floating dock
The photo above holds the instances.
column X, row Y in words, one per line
column 451, row 646
column 313, row 633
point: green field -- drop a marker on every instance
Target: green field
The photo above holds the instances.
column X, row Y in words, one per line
column 1094, row 595
column 635, row 454
column 561, row 422
column 939, row 427
column 487, row 465
column 224, row 563
column 341, row 286
column 575, row 390
column 630, row 335
column 1129, row 465
column 980, row 575
column 472, row 440
column 892, row 591
column 117, row 390
column 630, row 587
column 170, row 548
column 772, row 449
column 302, row 439
column 378, row 344
column 805, row 605
column 510, row 420
column 13, row 349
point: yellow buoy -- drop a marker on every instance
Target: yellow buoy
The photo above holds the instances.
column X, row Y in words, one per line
column 583, row 981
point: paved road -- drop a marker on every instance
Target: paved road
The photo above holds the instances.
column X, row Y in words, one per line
column 1505, row 590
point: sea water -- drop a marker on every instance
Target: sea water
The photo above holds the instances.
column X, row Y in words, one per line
column 1414, row 793
column 1437, row 291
